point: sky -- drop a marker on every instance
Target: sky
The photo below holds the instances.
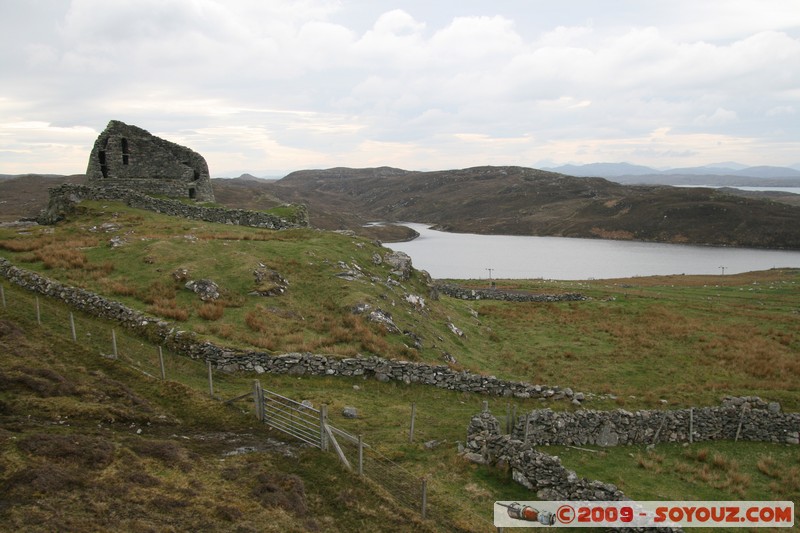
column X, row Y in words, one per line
column 272, row 86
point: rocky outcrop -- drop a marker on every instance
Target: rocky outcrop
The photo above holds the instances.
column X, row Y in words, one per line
column 268, row 281
column 207, row 290
column 400, row 263
column 65, row 198
column 130, row 157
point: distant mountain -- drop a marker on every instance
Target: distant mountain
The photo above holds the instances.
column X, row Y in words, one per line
column 702, row 171
column 249, row 177
column 768, row 172
column 727, row 164
column 603, row 170
column 721, row 174
column 26, row 194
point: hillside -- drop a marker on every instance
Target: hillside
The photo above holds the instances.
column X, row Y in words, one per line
column 492, row 200
column 523, row 201
column 25, row 195
column 90, row 444
column 644, row 342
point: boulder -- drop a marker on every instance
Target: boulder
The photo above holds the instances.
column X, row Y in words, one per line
column 400, row 264
column 206, row 289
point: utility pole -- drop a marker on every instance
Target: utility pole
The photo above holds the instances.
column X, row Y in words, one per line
column 491, row 283
column 723, row 270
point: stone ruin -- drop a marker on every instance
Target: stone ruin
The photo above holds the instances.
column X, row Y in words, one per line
column 132, row 158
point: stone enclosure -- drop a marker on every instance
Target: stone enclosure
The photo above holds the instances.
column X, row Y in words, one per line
column 748, row 418
column 64, row 198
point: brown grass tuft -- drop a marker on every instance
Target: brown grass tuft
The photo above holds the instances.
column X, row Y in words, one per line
column 168, row 309
column 211, row 311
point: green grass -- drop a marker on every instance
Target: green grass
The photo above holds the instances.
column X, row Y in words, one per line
column 685, row 339
column 460, row 492
column 701, row 471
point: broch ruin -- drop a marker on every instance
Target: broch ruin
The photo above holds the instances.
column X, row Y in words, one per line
column 130, row 165
column 130, row 157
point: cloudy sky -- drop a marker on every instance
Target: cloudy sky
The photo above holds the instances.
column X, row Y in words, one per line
column 271, row 86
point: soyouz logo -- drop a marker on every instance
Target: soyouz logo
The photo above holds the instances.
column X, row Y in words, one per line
column 644, row 514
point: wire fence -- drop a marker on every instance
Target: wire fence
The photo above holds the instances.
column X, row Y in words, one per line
column 408, row 489
column 301, row 421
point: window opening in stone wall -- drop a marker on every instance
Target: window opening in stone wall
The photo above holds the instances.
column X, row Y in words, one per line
column 192, row 193
column 101, row 157
column 124, row 151
column 196, row 176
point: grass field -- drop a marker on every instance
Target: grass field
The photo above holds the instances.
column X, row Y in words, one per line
column 685, row 340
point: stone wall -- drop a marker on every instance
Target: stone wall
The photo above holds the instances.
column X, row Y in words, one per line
column 128, row 156
column 64, row 198
column 535, row 470
column 494, row 294
column 748, row 418
column 229, row 359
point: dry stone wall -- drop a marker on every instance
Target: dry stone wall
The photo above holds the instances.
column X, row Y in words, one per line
column 228, row 359
column 494, row 294
column 747, row 418
column 535, row 470
column 64, row 198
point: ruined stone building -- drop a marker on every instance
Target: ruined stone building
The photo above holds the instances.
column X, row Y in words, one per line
column 130, row 157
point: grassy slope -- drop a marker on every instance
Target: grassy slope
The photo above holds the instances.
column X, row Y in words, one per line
column 686, row 339
column 91, row 444
column 53, row 389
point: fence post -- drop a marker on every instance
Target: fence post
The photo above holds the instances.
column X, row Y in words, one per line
column 485, row 406
column 161, row 364
column 323, row 419
column 3, row 296
column 113, row 342
column 72, row 327
column 741, row 420
column 38, row 312
column 691, row 425
column 413, row 416
column 257, row 400
column 210, row 379
column 424, row 498
column 360, row 456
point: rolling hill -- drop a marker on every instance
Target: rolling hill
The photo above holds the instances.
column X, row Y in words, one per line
column 492, row 200
column 525, row 201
